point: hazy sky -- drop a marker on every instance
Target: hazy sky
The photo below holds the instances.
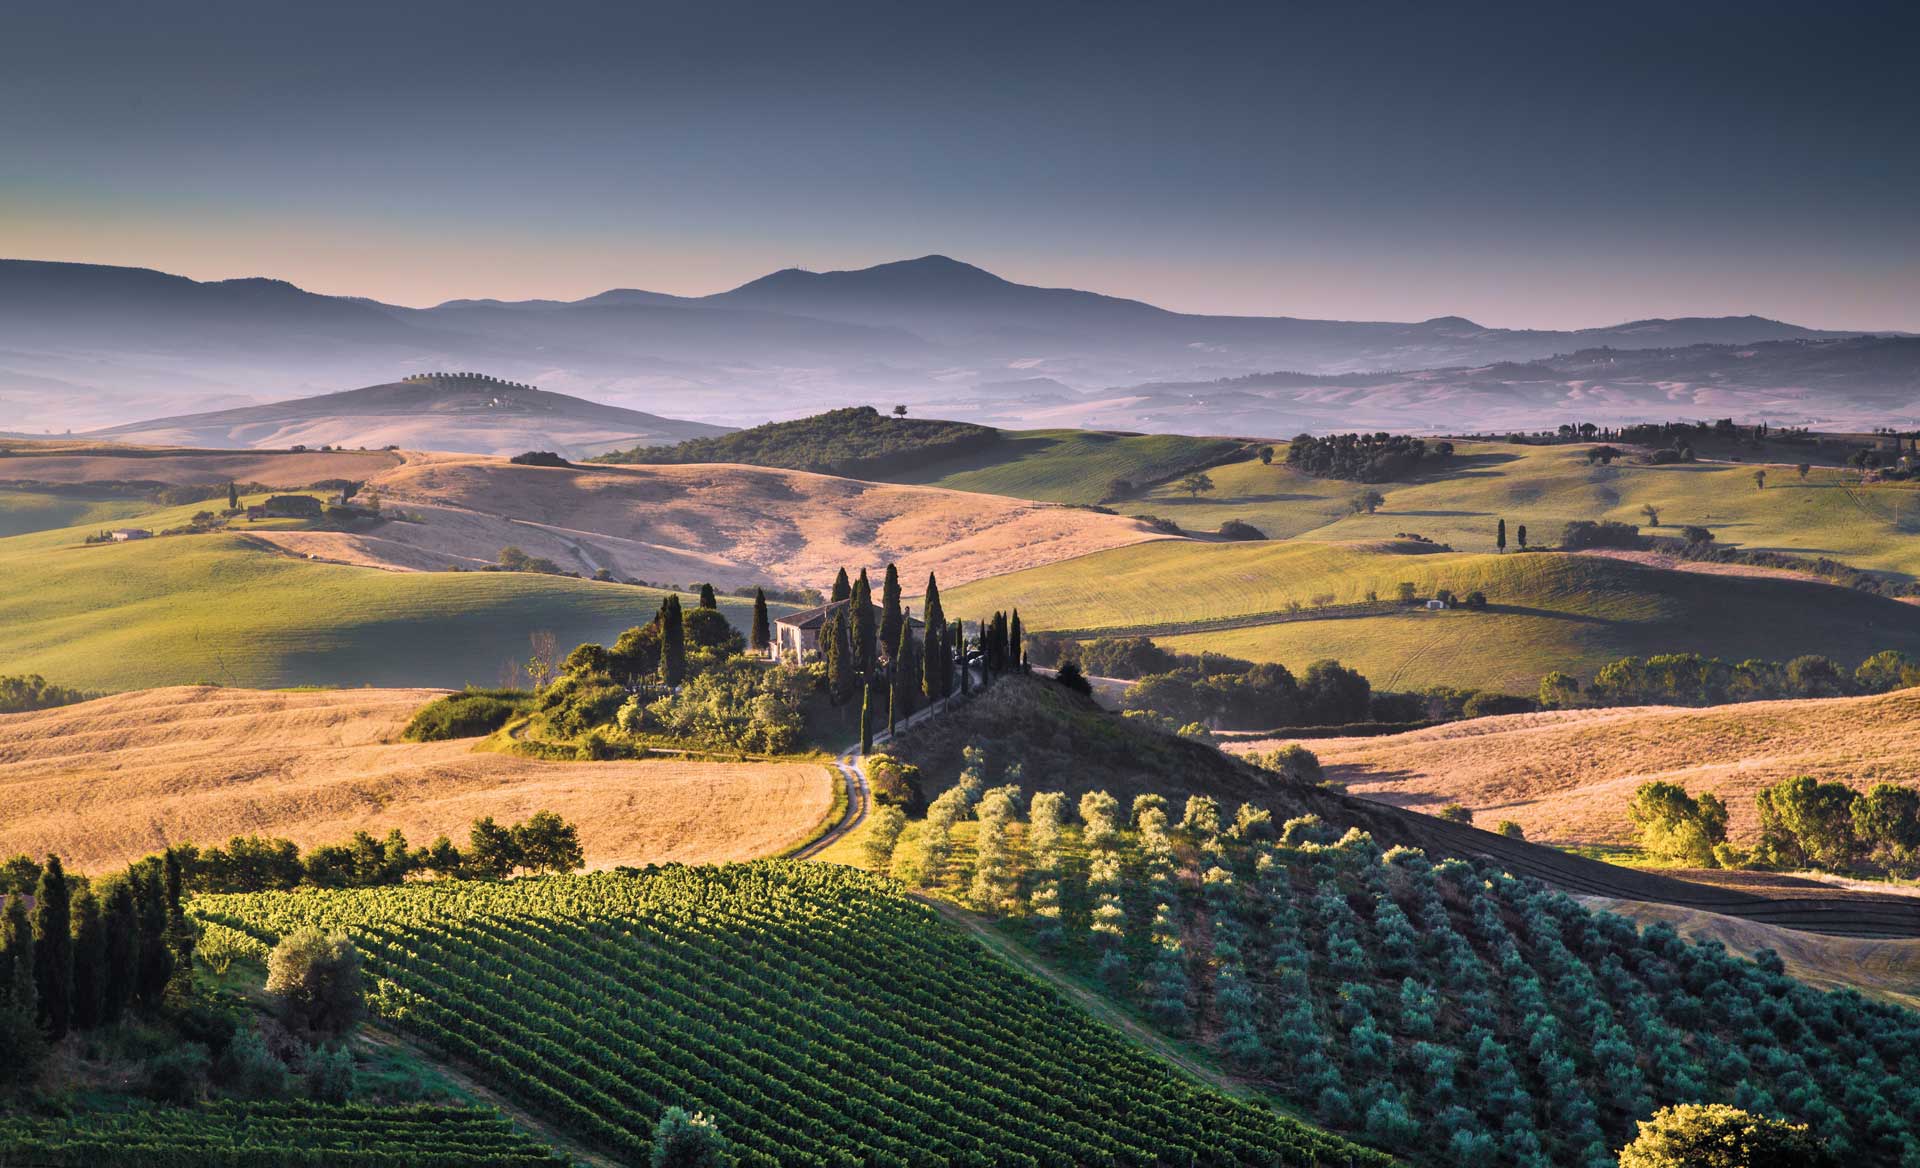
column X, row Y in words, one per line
column 1542, row 164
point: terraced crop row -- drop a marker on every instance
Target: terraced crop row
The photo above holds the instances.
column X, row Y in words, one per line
column 275, row 1135
column 819, row 1014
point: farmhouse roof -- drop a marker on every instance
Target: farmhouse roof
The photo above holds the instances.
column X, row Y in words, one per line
column 813, row 618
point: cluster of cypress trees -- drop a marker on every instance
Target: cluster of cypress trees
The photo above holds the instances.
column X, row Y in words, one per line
column 1002, row 645
column 892, row 671
column 81, row 956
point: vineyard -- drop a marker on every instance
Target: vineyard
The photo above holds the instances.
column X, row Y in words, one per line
column 1446, row 1011
column 822, row 1016
column 275, row 1135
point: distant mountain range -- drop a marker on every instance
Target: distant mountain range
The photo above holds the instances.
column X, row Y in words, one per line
column 468, row 414
column 88, row 345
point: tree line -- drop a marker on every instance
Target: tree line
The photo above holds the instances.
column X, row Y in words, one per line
column 1804, row 823
column 1364, row 458
column 1690, row 679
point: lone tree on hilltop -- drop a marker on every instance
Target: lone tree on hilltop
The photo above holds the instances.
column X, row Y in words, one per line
column 1713, row 1135
column 1368, row 502
column 1196, row 484
column 1652, row 513
column 1520, row 534
column 1760, row 480
column 899, row 411
column 1500, row 540
column 762, row 635
column 1803, row 468
column 1266, row 456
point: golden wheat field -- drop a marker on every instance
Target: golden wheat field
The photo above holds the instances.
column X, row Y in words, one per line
column 109, row 780
column 1567, row 776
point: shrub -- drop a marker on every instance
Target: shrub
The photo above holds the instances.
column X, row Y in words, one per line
column 316, row 980
column 539, row 458
column 1675, row 826
column 893, row 783
column 1585, row 533
column 248, row 1068
column 1069, row 675
column 330, row 1075
column 1237, row 529
column 1455, row 813
column 683, row 1140
column 1510, row 829
column 179, row 1075
column 470, row 713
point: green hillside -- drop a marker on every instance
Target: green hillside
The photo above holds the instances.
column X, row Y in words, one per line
column 223, row 608
column 1545, row 487
column 1068, row 466
column 22, row 512
column 861, row 1029
column 859, row 442
column 1545, row 611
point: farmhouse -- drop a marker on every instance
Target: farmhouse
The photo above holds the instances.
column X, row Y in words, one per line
column 123, row 534
column 798, row 634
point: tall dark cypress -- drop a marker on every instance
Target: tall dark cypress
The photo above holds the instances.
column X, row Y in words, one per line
column 938, row 680
column 1500, row 540
column 53, row 950
column 866, row 718
column 957, row 639
column 122, row 921
column 866, row 654
column 89, row 960
column 842, row 589
column 835, row 656
column 890, row 609
column 155, row 966
column 1016, row 644
column 707, row 598
column 233, row 497
column 180, row 934
column 762, row 636
column 673, row 641
column 906, row 671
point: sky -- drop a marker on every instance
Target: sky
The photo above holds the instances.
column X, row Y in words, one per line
column 1525, row 164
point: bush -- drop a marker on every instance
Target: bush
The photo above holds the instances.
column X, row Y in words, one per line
column 1070, row 676
column 316, row 980
column 330, row 1075
column 1585, row 533
column 1455, row 813
column 682, row 1140
column 893, row 783
column 470, row 713
column 1236, row 529
column 539, row 458
column 248, row 1068
column 1510, row 829
column 179, row 1075
column 1714, row 1135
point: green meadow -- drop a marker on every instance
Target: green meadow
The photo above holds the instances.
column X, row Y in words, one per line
column 1067, row 466
column 225, row 609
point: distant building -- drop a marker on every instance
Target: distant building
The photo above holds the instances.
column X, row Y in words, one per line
column 123, row 534
column 798, row 633
column 1436, row 605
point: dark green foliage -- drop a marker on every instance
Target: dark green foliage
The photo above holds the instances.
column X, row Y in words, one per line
column 1717, row 1136
column 20, row 876
column 836, row 652
column 761, row 638
column 154, row 969
column 1500, row 538
column 707, row 629
column 1330, row 693
column 1585, row 533
column 842, row 588
column 865, row 638
column 588, row 657
column 512, row 559
column 1237, row 529
column 904, row 672
column 471, row 713
column 866, row 719
column 539, row 458
column 578, row 702
column 1070, row 676
column 681, row 1140
column 53, row 950
column 857, row 441
column 890, row 616
column 233, row 497
column 707, row 598
column 179, row 1074
column 1688, row 679
column 548, row 843
column 121, row 921
column 491, row 851
column 673, row 642
column 20, row 692
column 1676, row 826
column 1364, row 458
column 634, row 658
column 1805, row 823
column 20, row 1042
column 315, row 978
column 89, row 960
column 937, row 659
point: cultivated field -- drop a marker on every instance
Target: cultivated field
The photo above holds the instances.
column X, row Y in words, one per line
column 1546, row 611
column 728, row 524
column 1567, row 776
column 102, row 462
column 107, row 781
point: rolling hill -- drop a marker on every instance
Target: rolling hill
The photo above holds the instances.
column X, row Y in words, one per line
column 1566, row 776
column 731, row 525
column 456, row 412
column 108, row 781
column 1546, row 611
column 90, row 345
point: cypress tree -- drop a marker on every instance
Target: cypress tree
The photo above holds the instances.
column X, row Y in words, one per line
column 122, row 922
column 233, row 497
column 1500, row 540
column 53, row 950
column 19, row 1037
column 1522, row 533
column 957, row 638
column 938, row 682
column 866, row 654
column 180, row 932
column 842, row 590
column 155, row 966
column 707, row 598
column 673, row 641
column 762, row 636
column 835, row 655
column 906, row 674
column 89, row 960
column 1016, row 644
column 866, row 719
column 890, row 609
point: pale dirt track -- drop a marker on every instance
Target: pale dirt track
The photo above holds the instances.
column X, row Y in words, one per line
column 106, row 781
column 1567, row 776
column 728, row 524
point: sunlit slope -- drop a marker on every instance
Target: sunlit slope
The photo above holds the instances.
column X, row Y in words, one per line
column 1545, row 611
column 224, row 608
column 28, row 511
column 1068, row 466
column 1545, row 487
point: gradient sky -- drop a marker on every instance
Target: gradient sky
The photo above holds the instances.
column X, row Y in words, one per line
column 1523, row 164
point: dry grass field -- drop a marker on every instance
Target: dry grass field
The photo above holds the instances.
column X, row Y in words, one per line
column 1567, row 776
column 106, row 781
column 727, row 524
column 73, row 465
